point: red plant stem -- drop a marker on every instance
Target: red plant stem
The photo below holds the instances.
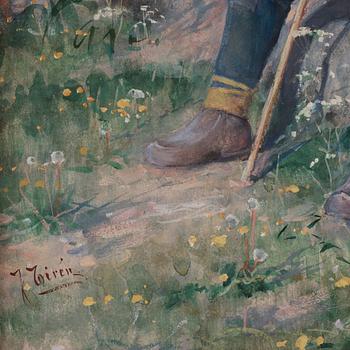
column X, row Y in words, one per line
column 252, row 227
column 246, row 251
column 108, row 138
column 245, row 316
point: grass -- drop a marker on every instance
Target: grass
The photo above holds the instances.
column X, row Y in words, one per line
column 183, row 305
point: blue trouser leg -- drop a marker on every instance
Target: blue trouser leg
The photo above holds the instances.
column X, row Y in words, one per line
column 251, row 30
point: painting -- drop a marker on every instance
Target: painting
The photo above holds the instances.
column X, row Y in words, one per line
column 174, row 174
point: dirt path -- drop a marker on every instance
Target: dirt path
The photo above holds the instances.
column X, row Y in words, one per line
column 144, row 202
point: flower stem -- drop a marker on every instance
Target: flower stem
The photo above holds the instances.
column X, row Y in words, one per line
column 35, row 210
column 252, row 228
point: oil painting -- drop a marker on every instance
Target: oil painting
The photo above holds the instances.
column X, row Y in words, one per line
column 174, row 174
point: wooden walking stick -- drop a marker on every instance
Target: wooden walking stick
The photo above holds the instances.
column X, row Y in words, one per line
column 274, row 91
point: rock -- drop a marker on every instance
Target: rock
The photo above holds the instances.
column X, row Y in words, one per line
column 5, row 219
column 324, row 97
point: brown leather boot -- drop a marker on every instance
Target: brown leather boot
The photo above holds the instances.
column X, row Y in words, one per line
column 211, row 135
column 338, row 204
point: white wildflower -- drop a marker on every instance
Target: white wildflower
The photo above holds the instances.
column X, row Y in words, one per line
column 135, row 94
column 293, row 134
column 336, row 101
column 304, row 75
column 259, row 255
column 302, row 31
column 330, row 155
column 27, row 221
column 106, row 12
column 335, row 269
column 57, row 157
column 307, row 111
column 253, row 204
column 339, row 324
column 31, row 161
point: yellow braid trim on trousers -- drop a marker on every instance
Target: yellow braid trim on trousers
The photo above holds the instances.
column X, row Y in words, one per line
column 230, row 82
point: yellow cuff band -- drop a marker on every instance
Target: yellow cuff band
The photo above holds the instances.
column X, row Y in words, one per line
column 231, row 101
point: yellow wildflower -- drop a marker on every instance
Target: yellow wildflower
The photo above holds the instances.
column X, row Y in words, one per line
column 223, row 277
column 83, row 151
column 122, row 113
column 26, row 286
column 243, row 230
column 107, row 299
column 23, row 182
column 192, row 240
column 103, row 109
column 292, row 189
column 80, row 90
column 39, row 184
column 301, row 342
column 319, row 340
column 57, row 55
column 282, row 344
column 80, row 32
column 343, row 282
column 67, row 92
column 123, row 103
column 89, row 301
column 136, row 298
column 279, row 222
column 142, row 109
column 219, row 241
column 42, row 58
column 305, row 231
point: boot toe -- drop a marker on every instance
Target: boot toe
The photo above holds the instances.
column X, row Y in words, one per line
column 161, row 156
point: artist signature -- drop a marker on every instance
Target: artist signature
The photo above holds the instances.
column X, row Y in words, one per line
column 47, row 280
